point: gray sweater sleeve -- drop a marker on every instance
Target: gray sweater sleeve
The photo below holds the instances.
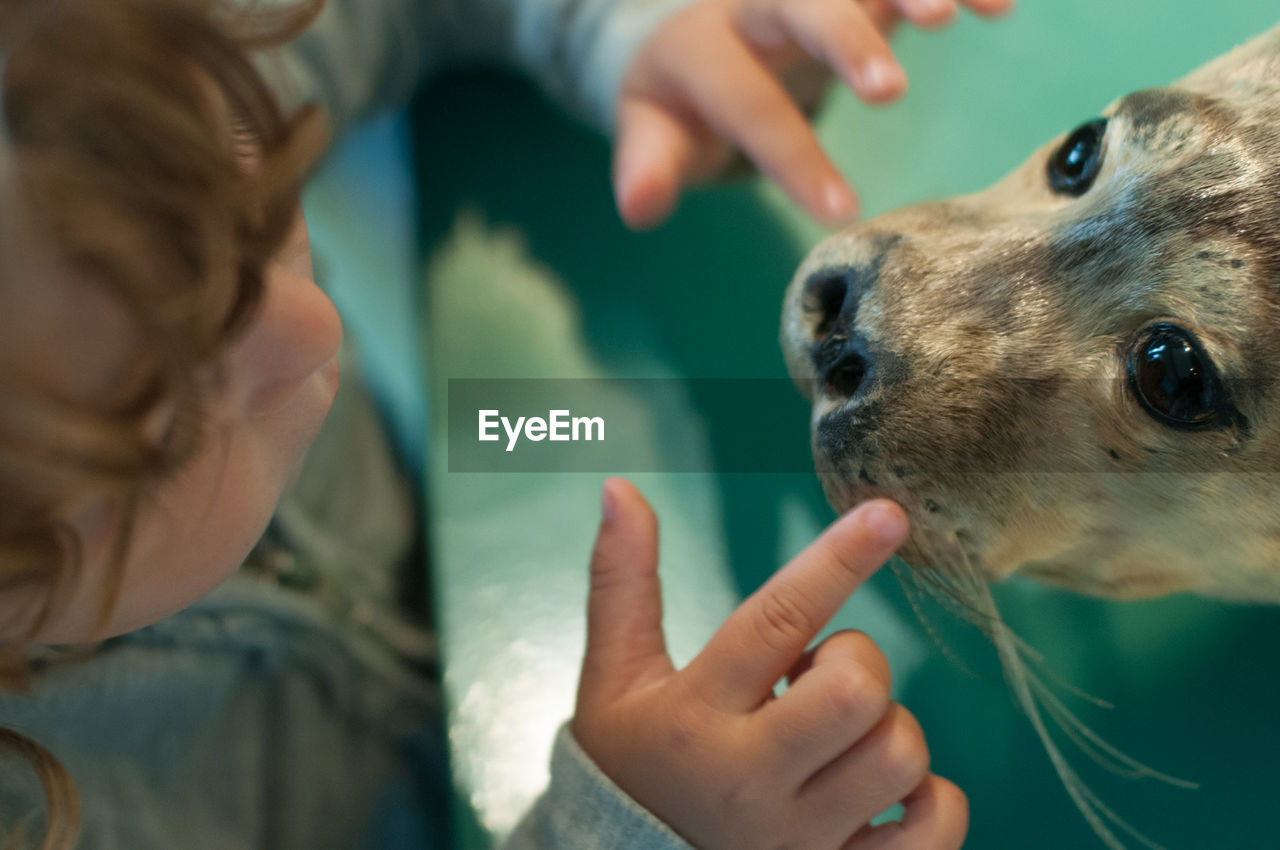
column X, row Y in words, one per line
column 363, row 55
column 583, row 810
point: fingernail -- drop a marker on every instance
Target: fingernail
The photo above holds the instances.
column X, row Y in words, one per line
column 880, row 76
column 886, row 522
column 608, row 503
column 935, row 8
column 838, row 202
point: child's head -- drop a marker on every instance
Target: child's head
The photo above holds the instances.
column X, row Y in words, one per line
column 165, row 356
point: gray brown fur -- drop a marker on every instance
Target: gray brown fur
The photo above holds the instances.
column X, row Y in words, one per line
column 997, row 325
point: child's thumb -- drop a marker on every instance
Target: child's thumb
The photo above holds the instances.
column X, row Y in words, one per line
column 624, row 608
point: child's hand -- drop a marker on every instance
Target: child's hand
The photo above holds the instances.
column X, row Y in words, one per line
column 709, row 749
column 707, row 82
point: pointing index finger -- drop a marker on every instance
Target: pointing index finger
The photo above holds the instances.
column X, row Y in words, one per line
column 742, row 101
column 761, row 640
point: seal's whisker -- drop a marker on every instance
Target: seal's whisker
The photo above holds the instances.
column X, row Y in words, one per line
column 957, row 585
column 1033, row 656
column 912, row 588
column 951, row 589
column 1096, row 747
column 1096, row 813
column 1074, row 690
column 1086, row 739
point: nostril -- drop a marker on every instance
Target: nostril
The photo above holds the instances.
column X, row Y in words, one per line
column 846, row 375
column 826, row 297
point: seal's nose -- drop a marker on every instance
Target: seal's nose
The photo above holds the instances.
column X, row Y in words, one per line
column 842, row 358
column 845, row 375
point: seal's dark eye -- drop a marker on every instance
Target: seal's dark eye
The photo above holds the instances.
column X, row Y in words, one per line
column 1173, row 379
column 1074, row 165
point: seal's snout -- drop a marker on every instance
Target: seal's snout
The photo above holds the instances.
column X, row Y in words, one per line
column 842, row 358
column 1071, row 374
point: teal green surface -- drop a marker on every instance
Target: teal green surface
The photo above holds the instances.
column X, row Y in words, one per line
column 528, row 275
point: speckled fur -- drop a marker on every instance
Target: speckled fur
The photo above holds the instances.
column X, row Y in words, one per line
column 997, row 410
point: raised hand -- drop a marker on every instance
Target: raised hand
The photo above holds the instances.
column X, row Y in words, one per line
column 709, row 749
column 711, row 80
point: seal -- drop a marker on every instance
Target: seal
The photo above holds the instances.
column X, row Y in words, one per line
column 1073, row 375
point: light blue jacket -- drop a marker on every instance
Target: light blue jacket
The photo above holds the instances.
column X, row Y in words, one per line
column 296, row 706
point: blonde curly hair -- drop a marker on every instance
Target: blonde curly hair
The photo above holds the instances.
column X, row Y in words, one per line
column 111, row 160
